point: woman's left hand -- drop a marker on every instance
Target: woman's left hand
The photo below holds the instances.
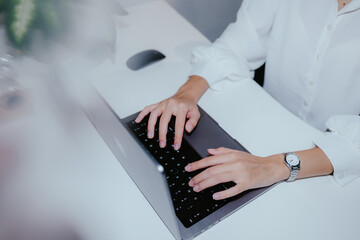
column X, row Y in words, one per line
column 245, row 170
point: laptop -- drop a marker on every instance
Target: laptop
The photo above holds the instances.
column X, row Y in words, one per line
column 159, row 173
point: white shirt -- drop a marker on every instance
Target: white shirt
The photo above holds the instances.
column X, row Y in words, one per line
column 312, row 54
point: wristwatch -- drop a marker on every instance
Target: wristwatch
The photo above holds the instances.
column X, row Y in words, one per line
column 293, row 162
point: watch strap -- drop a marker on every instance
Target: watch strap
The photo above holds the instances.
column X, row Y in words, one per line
column 293, row 175
column 294, row 169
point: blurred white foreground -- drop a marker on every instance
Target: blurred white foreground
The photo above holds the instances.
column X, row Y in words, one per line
column 46, row 141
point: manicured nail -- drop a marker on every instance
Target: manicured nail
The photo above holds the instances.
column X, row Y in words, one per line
column 190, row 127
column 188, row 167
column 191, row 183
column 150, row 134
column 162, row 144
column 216, row 196
column 137, row 120
column 176, row 146
column 196, row 188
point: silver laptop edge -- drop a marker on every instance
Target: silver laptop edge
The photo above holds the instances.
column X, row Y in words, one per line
column 146, row 172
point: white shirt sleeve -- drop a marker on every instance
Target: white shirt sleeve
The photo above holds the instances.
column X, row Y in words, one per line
column 342, row 146
column 242, row 47
column 247, row 43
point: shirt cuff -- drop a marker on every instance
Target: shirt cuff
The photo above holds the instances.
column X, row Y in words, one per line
column 210, row 70
column 344, row 156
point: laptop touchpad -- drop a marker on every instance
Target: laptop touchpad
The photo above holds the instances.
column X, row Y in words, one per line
column 208, row 134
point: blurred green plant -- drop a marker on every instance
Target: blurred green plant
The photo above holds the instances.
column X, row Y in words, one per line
column 24, row 17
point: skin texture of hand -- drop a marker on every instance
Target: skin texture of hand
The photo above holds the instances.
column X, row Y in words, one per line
column 183, row 105
column 245, row 170
column 179, row 105
column 248, row 171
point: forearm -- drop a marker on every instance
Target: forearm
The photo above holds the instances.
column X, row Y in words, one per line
column 314, row 162
column 195, row 87
column 249, row 171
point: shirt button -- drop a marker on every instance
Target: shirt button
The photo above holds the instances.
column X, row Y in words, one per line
column 341, row 176
column 306, row 104
column 318, row 57
column 329, row 27
column 311, row 83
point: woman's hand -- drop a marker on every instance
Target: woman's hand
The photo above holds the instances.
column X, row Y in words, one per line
column 245, row 170
column 183, row 105
column 180, row 105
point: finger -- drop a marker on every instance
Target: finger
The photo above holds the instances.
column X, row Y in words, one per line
column 212, row 181
column 208, row 173
column 163, row 128
column 152, row 122
column 206, row 162
column 229, row 192
column 221, row 150
column 145, row 112
column 193, row 117
column 179, row 129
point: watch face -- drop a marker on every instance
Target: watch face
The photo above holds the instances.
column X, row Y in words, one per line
column 292, row 159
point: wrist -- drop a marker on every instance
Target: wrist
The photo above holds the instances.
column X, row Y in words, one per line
column 194, row 88
column 280, row 170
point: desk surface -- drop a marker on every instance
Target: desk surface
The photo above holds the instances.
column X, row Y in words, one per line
column 90, row 190
column 323, row 209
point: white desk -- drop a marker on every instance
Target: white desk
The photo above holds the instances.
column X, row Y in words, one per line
column 323, row 210
column 84, row 186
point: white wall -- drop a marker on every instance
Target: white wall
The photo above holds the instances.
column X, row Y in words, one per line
column 125, row 3
column 209, row 16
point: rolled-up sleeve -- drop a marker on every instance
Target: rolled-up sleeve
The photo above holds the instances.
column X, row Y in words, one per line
column 241, row 48
column 342, row 146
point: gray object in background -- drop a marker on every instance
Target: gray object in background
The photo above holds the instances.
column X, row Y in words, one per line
column 144, row 58
column 210, row 17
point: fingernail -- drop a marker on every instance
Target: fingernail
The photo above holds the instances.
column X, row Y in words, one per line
column 150, row 134
column 176, row 146
column 188, row 167
column 191, row 183
column 211, row 150
column 196, row 188
column 190, row 127
column 162, row 144
column 216, row 196
column 137, row 120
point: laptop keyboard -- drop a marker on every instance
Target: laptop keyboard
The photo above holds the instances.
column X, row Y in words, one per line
column 190, row 207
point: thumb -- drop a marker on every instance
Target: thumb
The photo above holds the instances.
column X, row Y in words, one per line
column 192, row 121
column 219, row 151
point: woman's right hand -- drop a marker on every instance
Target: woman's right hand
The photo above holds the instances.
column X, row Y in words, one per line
column 183, row 105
